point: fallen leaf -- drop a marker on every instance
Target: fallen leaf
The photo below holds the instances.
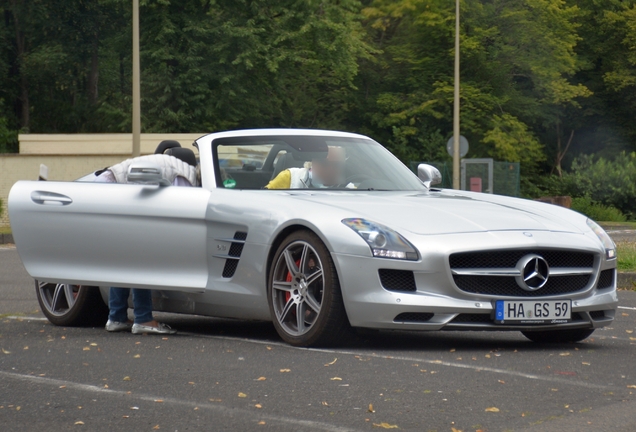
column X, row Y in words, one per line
column 631, row 386
column 492, row 409
column 261, row 379
column 18, row 408
column 632, row 338
column 455, row 430
column 336, row 379
column 269, row 348
column 564, row 354
column 585, row 363
column 385, row 425
column 191, row 382
column 137, row 356
column 330, row 363
column 105, row 385
column 215, row 400
column 285, row 370
column 86, row 349
column 259, row 406
column 159, row 400
column 125, row 416
column 371, row 410
column 452, row 350
column 242, row 395
column 134, row 408
column 26, row 347
column 79, row 422
column 4, row 351
column 501, row 381
column 126, row 378
column 261, row 422
column 93, row 344
column 629, row 331
column 325, row 403
column 156, row 427
column 62, row 386
column 487, row 356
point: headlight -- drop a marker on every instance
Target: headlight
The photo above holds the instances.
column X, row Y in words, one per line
column 383, row 241
column 608, row 244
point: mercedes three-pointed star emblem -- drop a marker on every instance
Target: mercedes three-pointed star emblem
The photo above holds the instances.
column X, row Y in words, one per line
column 533, row 272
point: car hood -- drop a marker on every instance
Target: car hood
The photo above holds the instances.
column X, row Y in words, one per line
column 448, row 212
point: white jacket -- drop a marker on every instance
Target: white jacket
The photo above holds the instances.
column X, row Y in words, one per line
column 171, row 168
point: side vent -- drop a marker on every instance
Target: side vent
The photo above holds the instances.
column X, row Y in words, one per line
column 413, row 317
column 236, row 249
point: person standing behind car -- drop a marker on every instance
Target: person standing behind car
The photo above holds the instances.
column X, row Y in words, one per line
column 180, row 169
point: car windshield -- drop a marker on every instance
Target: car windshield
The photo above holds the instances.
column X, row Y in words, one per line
column 309, row 162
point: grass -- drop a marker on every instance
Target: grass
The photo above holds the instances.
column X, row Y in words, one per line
column 5, row 230
column 626, row 252
column 627, row 225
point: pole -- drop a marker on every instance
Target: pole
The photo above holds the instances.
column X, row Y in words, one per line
column 456, row 104
column 136, row 97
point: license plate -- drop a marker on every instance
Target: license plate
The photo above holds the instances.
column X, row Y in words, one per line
column 533, row 312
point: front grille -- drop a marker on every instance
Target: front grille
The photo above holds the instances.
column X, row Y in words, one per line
column 397, row 280
column 506, row 286
column 606, row 279
column 413, row 317
column 509, row 258
column 472, row 318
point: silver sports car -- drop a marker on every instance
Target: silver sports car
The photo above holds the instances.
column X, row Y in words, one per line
column 379, row 248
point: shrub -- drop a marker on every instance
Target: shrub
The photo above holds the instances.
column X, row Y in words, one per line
column 611, row 182
column 597, row 211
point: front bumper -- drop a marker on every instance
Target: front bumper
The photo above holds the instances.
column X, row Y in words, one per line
column 438, row 304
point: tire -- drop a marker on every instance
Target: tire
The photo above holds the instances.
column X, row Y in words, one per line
column 558, row 336
column 71, row 305
column 303, row 282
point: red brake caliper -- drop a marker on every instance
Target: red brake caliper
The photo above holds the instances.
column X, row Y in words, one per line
column 289, row 279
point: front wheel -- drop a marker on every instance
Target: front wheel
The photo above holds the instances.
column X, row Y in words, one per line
column 304, row 293
column 558, row 336
column 71, row 305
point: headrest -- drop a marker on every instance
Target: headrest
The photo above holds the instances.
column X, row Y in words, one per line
column 185, row 154
column 165, row 145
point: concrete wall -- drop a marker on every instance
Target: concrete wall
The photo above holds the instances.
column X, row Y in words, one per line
column 96, row 144
column 69, row 157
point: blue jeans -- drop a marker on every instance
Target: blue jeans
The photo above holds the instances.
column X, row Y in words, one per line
column 118, row 305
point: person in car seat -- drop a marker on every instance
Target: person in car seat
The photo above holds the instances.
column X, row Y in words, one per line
column 320, row 173
column 179, row 167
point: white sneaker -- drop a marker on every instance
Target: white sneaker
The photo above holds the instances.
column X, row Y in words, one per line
column 116, row 326
column 160, row 329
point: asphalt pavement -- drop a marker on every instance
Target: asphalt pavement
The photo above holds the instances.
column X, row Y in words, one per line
column 229, row 375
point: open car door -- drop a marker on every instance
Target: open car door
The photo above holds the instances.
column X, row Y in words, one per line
column 109, row 234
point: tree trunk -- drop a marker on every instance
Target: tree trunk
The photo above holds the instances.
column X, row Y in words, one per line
column 24, row 85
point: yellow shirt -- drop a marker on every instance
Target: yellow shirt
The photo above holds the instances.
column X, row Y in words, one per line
column 281, row 181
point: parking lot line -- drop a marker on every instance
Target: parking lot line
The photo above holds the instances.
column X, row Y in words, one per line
column 71, row 385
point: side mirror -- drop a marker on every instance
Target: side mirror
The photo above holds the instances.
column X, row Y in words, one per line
column 146, row 174
column 429, row 175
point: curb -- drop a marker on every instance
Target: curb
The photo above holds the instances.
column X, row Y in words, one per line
column 6, row 238
column 626, row 280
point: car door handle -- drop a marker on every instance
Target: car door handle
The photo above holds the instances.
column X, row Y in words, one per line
column 50, row 198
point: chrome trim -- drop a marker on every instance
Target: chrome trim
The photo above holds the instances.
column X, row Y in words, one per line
column 554, row 271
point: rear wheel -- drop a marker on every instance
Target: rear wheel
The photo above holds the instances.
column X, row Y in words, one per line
column 304, row 293
column 558, row 336
column 71, row 305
